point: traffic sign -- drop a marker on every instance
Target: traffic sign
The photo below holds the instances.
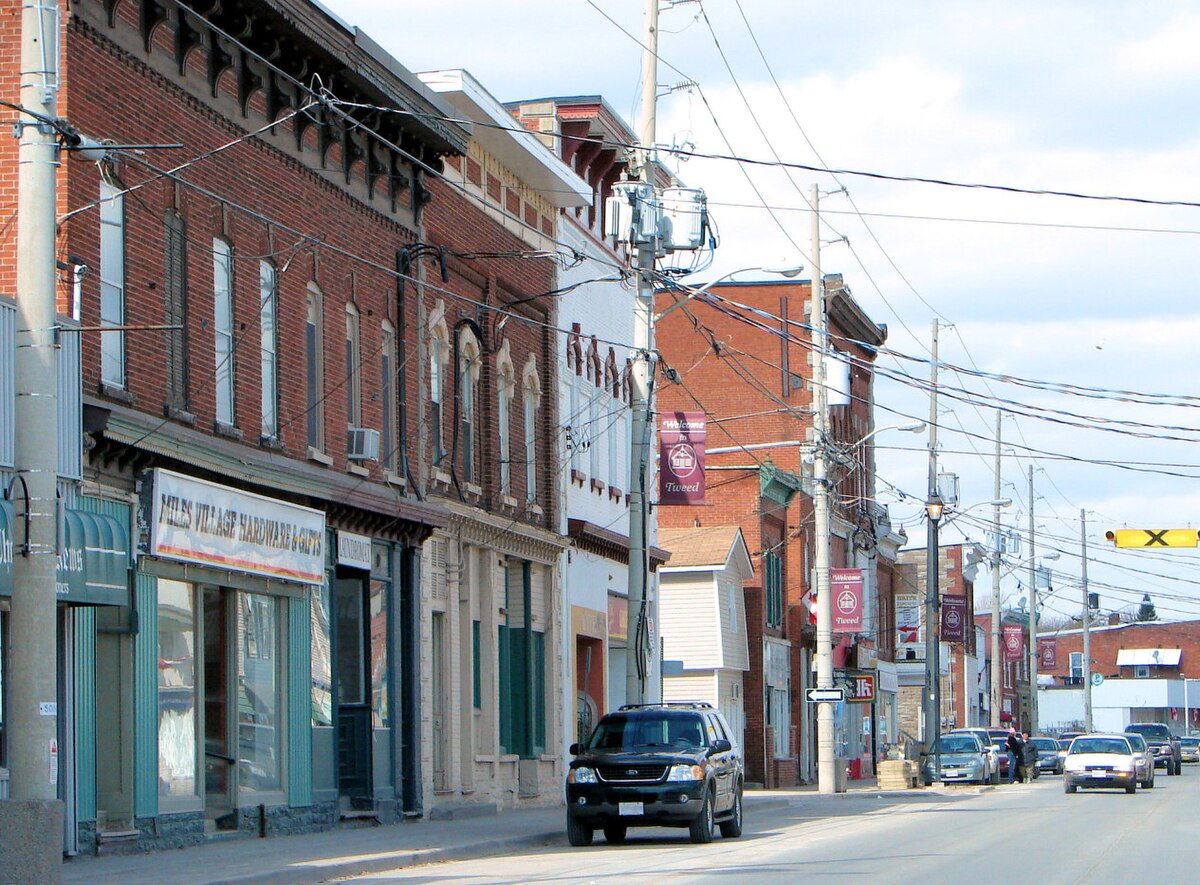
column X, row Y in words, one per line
column 1153, row 537
column 1097, row 678
column 817, row 695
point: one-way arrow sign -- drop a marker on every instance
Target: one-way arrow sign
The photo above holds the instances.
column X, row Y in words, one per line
column 817, row 695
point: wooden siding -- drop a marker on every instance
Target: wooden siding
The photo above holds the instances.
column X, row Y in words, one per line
column 689, row 610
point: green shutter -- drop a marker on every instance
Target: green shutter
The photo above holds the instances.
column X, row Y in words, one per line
column 505, row 689
column 85, row 712
column 519, row 687
column 539, row 693
column 476, row 673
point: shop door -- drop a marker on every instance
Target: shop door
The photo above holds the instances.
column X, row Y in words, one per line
column 354, row 707
column 220, row 761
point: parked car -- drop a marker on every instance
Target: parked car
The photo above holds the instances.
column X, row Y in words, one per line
column 1166, row 747
column 964, row 759
column 655, row 765
column 1049, row 762
column 1144, row 759
column 993, row 754
column 1100, row 760
column 998, row 737
column 1189, row 749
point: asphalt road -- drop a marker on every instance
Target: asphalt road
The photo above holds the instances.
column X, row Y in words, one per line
column 1024, row 833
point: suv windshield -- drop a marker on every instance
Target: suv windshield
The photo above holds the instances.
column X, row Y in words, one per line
column 619, row 731
column 1153, row 729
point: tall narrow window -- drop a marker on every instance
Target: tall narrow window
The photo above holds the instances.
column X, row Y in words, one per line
column 112, row 284
column 175, row 309
column 468, row 381
column 387, row 392
column 577, row 436
column 223, row 330
column 529, row 404
column 439, row 350
column 594, row 430
column 353, row 376
column 314, row 370
column 507, row 392
column 268, row 318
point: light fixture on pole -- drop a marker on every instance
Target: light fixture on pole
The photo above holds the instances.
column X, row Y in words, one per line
column 693, row 292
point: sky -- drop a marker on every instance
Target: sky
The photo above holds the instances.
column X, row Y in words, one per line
column 1091, row 300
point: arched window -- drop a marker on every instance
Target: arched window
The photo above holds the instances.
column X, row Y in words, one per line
column 314, row 368
column 531, row 397
column 223, row 330
column 387, row 395
column 439, row 356
column 506, row 390
column 470, row 359
column 353, row 367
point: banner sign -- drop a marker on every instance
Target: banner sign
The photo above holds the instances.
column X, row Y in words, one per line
column 681, row 458
column 954, row 618
column 1048, row 653
column 198, row 521
column 1014, row 641
column 908, row 617
column 847, row 585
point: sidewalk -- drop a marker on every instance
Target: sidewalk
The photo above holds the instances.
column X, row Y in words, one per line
column 317, row 857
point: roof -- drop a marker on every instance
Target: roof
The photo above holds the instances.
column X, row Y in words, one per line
column 1149, row 657
column 705, row 548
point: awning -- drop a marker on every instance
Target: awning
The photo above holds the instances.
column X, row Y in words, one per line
column 93, row 568
column 1149, row 657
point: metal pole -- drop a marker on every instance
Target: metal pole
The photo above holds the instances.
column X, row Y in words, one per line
column 1087, row 627
column 994, row 678
column 638, row 655
column 826, row 764
column 1033, row 603
column 933, row 688
column 33, row 648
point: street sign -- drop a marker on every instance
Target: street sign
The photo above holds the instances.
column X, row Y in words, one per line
column 1153, row 537
column 817, row 695
column 1097, row 678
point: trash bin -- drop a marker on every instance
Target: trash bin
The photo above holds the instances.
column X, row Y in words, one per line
column 840, row 764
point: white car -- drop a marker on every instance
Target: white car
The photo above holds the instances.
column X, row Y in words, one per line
column 1100, row 760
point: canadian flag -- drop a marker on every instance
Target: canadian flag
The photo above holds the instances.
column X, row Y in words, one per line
column 812, row 607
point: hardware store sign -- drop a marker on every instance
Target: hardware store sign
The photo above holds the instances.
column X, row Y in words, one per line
column 209, row 524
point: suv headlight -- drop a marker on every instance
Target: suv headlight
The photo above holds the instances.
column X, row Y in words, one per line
column 685, row 773
column 581, row 776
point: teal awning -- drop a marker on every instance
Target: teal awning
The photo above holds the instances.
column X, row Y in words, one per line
column 93, row 568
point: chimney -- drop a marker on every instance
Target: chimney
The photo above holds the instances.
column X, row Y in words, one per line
column 1114, row 619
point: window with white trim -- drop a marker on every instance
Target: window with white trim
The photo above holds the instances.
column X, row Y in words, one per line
column 314, row 368
column 112, row 283
column 532, row 393
column 387, row 393
column 470, row 360
column 439, row 354
column 506, row 393
column 268, row 318
column 353, row 367
column 1076, row 665
column 223, row 330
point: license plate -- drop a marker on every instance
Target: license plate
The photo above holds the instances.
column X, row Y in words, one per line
column 631, row 809
column 1100, row 773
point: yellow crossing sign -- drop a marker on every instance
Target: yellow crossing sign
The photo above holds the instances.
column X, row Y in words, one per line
column 1154, row 537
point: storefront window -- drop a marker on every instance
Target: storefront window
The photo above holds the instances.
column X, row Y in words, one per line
column 322, row 674
column 379, row 655
column 176, row 689
column 259, row 707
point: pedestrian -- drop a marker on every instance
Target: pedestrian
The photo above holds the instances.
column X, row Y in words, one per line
column 1029, row 757
column 1013, row 744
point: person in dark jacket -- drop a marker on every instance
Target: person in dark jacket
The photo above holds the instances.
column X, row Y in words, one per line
column 1015, row 756
column 1029, row 757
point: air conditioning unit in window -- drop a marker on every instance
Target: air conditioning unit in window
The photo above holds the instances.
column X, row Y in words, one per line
column 363, row 444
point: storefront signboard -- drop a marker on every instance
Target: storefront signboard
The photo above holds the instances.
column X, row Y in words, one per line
column 193, row 520
column 353, row 551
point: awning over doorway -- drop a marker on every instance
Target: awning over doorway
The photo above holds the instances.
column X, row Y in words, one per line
column 93, row 568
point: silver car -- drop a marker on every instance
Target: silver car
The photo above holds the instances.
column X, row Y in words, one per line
column 1143, row 760
column 963, row 759
column 993, row 754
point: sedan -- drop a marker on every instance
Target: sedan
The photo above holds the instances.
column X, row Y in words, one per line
column 1191, row 748
column 1048, row 762
column 1143, row 760
column 1100, row 760
column 963, row 759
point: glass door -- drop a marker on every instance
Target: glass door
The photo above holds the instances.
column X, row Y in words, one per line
column 353, row 686
column 219, row 757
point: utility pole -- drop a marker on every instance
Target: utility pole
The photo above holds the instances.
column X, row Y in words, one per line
column 1033, row 618
column 826, row 762
column 933, row 688
column 638, row 655
column 1087, row 627
column 33, row 646
column 994, row 678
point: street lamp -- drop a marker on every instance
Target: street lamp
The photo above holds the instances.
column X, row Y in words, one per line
column 783, row 270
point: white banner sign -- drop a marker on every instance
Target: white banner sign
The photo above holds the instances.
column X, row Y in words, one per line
column 202, row 522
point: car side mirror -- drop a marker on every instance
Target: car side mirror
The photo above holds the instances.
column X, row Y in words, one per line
column 721, row 745
column 574, row 749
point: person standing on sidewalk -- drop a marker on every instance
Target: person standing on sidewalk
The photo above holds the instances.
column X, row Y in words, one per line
column 1029, row 757
column 1015, row 756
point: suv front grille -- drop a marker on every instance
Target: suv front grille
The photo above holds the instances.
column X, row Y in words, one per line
column 631, row 774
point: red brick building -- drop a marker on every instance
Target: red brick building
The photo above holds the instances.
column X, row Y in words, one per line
column 1126, row 651
column 752, row 376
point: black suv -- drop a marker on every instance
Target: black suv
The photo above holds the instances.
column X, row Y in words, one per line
column 655, row 765
column 1165, row 745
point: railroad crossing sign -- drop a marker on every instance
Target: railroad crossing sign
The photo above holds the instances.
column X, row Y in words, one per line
column 1153, row 537
column 817, row 695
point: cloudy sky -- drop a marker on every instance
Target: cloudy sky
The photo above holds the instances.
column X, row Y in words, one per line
column 1087, row 97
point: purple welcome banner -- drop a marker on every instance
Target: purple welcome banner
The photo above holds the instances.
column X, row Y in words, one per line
column 681, row 458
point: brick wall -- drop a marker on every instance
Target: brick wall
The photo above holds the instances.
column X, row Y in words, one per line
column 1106, row 642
